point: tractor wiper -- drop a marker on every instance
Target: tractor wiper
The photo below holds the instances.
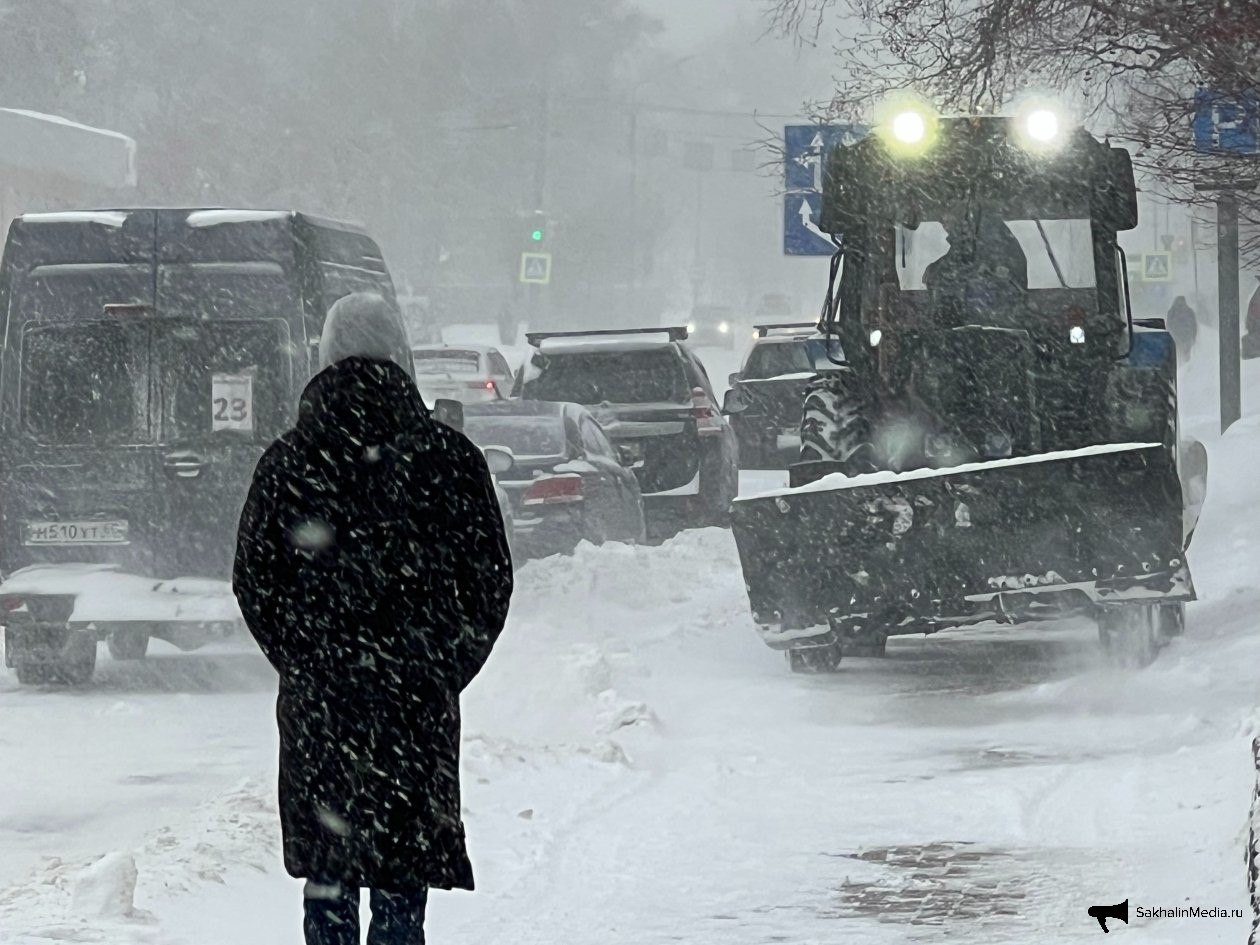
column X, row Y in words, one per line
column 1053, row 259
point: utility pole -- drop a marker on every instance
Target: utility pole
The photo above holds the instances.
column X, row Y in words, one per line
column 1227, row 271
column 533, row 292
column 633, row 144
column 1227, row 281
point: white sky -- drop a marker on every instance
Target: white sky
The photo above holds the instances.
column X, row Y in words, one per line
column 692, row 21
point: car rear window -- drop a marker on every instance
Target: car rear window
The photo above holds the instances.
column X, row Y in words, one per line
column 85, row 382
column 615, row 377
column 524, row 436
column 446, row 362
column 777, row 358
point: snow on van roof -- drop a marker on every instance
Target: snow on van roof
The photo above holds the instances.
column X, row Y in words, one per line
column 113, row 218
column 203, row 218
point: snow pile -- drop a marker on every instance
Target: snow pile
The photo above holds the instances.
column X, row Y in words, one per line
column 95, row 899
column 571, row 665
column 107, row 888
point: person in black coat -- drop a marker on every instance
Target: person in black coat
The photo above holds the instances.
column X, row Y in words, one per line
column 373, row 570
column 1183, row 326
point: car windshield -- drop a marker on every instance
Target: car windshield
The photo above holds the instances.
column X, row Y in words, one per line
column 653, row 375
column 446, row 362
column 524, row 436
column 776, row 358
column 84, row 383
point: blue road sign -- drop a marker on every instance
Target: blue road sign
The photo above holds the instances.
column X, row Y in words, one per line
column 1225, row 124
column 801, row 236
column 805, row 150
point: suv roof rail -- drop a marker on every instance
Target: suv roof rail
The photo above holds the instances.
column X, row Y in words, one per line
column 676, row 333
column 763, row 330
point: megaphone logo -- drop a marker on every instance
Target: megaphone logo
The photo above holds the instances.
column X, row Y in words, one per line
column 1102, row 913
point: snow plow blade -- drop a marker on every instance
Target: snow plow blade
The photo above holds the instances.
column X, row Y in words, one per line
column 922, row 548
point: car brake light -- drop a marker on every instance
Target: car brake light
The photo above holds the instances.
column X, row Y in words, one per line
column 554, row 490
column 484, row 385
column 10, row 603
column 707, row 419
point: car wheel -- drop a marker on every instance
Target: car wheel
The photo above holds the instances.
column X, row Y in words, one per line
column 128, row 643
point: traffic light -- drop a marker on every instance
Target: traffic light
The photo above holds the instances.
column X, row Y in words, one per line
column 536, row 234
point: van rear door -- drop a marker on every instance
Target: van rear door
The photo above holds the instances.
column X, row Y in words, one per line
column 82, row 460
column 79, row 441
column 224, row 391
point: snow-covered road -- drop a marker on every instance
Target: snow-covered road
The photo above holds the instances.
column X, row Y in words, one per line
column 640, row 769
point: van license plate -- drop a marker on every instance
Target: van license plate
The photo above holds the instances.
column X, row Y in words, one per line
column 112, row 532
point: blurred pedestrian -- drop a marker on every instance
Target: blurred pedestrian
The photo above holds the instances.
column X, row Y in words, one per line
column 1251, row 337
column 1183, row 326
column 373, row 570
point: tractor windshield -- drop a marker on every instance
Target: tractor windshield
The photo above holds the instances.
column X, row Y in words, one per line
column 1035, row 254
column 978, row 262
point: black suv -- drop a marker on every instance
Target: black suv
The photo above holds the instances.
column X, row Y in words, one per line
column 149, row 358
column 653, row 397
column 765, row 399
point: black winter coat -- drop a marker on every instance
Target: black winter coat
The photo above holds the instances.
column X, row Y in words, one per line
column 373, row 570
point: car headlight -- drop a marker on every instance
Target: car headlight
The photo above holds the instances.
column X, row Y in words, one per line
column 723, row 327
column 691, row 328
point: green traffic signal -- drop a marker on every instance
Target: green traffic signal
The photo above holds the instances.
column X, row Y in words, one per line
column 536, row 236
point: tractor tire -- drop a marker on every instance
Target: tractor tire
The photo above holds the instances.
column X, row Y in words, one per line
column 835, row 421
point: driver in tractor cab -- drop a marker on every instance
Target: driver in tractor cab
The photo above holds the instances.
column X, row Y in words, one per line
column 984, row 272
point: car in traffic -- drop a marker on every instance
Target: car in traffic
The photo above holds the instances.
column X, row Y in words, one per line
column 471, row 374
column 562, row 476
column 766, row 395
column 714, row 326
column 652, row 396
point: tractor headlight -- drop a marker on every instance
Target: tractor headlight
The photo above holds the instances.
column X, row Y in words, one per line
column 1040, row 126
column 907, row 126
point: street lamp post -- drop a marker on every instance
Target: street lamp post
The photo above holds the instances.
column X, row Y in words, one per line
column 633, row 145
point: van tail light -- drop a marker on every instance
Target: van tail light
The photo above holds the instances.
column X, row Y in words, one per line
column 554, row 490
column 708, row 420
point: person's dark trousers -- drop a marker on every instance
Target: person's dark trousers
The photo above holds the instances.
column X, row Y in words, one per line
column 332, row 916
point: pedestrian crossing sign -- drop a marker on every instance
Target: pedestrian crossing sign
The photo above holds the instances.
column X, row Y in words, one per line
column 536, row 268
column 1157, row 267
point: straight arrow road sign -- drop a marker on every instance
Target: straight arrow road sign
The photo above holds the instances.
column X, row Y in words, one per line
column 805, row 151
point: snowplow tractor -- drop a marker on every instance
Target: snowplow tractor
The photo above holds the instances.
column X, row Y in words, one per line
column 1000, row 439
